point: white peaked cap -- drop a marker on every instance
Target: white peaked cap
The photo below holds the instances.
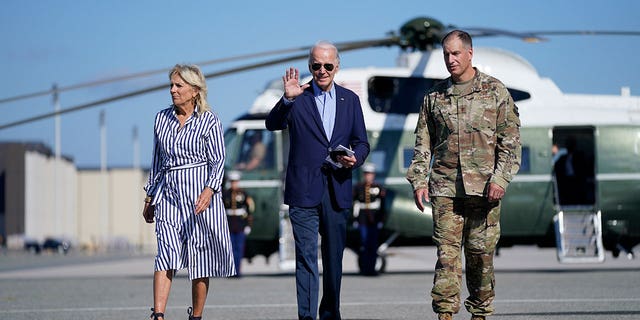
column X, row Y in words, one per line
column 369, row 167
column 234, row 175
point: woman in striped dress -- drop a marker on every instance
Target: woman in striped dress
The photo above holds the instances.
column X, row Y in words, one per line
column 184, row 193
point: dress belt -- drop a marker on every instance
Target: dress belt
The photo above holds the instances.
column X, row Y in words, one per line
column 158, row 193
column 236, row 212
column 188, row 166
column 358, row 206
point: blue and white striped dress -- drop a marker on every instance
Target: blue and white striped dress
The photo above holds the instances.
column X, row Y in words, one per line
column 185, row 160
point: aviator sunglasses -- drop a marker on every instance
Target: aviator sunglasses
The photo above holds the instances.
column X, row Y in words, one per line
column 327, row 66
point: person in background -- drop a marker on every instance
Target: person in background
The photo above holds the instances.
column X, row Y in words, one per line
column 469, row 128
column 557, row 152
column 239, row 206
column 184, row 193
column 571, row 173
column 369, row 214
column 320, row 116
column 256, row 153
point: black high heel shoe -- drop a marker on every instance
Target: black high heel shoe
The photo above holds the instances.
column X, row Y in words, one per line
column 155, row 315
column 190, row 313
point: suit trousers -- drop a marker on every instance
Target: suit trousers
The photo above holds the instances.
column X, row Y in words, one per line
column 331, row 222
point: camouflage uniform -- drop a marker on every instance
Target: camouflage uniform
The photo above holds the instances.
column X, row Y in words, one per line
column 474, row 139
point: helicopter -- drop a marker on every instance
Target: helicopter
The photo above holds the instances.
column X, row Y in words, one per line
column 606, row 128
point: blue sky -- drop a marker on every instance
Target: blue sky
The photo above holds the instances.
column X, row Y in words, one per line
column 69, row 42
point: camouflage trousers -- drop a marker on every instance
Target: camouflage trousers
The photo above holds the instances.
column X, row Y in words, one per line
column 474, row 223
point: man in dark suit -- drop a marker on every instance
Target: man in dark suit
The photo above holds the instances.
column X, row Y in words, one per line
column 320, row 116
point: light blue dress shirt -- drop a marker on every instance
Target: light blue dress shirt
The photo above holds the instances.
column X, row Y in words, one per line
column 326, row 103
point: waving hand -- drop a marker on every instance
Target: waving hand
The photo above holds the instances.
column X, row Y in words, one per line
column 292, row 87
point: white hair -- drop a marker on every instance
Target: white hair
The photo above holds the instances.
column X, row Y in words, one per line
column 324, row 45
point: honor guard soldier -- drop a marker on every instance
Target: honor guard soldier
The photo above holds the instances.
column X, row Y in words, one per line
column 239, row 206
column 369, row 215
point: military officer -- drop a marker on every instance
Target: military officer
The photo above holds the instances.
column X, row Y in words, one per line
column 469, row 128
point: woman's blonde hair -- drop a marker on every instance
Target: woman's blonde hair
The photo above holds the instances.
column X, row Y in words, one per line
column 192, row 75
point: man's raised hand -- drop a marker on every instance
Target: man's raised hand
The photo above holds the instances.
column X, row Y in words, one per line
column 292, row 87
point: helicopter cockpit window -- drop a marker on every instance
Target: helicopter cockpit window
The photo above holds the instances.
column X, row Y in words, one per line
column 230, row 140
column 398, row 95
column 256, row 151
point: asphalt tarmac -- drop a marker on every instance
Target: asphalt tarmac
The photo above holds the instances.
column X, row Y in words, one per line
column 530, row 284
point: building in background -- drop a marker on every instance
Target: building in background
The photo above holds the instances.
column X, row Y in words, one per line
column 93, row 209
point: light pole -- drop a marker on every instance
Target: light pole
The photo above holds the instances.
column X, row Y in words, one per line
column 56, row 164
column 105, row 180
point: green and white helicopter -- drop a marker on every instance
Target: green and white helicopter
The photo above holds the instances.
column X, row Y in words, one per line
column 606, row 129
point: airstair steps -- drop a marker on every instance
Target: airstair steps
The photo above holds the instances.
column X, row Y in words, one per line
column 579, row 236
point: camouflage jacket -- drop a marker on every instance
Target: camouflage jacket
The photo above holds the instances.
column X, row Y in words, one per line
column 473, row 136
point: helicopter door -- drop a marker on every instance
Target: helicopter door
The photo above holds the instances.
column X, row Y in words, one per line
column 574, row 166
column 578, row 222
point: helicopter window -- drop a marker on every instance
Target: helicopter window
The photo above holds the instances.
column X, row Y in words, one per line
column 401, row 95
column 398, row 95
column 230, row 139
column 256, row 151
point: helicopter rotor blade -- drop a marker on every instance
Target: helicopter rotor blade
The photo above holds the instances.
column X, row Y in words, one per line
column 351, row 45
column 148, row 73
column 145, row 91
column 354, row 45
column 425, row 33
column 586, row 33
column 538, row 36
column 488, row 32
column 343, row 47
column 420, row 33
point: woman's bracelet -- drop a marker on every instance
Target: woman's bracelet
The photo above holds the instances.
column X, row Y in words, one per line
column 148, row 199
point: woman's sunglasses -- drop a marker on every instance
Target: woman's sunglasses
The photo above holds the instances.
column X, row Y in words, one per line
column 317, row 66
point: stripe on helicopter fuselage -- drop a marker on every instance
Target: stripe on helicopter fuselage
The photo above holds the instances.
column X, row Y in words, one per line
column 260, row 183
column 403, row 180
column 539, row 178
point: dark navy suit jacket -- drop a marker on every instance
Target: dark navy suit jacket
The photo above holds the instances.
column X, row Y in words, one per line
column 309, row 147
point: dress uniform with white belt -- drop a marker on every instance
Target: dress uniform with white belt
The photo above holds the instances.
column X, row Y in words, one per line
column 369, row 213
column 239, row 207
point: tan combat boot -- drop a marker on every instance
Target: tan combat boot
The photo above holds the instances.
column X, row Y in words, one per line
column 477, row 317
column 445, row 316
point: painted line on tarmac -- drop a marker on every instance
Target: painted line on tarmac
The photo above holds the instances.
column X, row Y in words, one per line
column 568, row 300
column 280, row 305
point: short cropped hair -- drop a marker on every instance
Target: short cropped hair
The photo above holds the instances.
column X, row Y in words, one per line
column 464, row 36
